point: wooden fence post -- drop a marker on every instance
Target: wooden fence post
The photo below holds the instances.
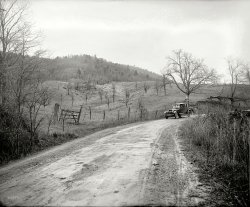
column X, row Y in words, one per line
column 103, row 114
column 56, row 111
column 80, row 112
column 61, row 99
column 234, row 140
column 90, row 112
column 63, row 125
column 72, row 99
column 156, row 113
column 128, row 112
column 118, row 115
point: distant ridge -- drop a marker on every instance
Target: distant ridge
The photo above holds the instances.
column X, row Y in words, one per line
column 92, row 68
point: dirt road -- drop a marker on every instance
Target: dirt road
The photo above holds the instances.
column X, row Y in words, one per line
column 136, row 164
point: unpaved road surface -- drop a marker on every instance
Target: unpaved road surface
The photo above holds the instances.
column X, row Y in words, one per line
column 137, row 164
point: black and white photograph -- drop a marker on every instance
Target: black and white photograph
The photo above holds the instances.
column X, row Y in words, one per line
column 124, row 102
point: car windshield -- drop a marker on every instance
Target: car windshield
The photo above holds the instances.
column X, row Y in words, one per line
column 179, row 105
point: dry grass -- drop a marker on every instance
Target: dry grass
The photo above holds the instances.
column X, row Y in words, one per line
column 220, row 147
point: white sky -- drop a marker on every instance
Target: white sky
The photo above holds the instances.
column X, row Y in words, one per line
column 143, row 33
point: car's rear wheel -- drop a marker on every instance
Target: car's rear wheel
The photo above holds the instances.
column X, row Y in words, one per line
column 191, row 111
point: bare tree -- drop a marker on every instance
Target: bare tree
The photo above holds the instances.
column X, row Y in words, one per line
column 165, row 82
column 26, row 71
column 12, row 26
column 29, row 93
column 235, row 69
column 141, row 108
column 79, row 73
column 245, row 74
column 113, row 91
column 100, row 92
column 145, row 87
column 72, row 98
column 188, row 73
column 33, row 105
column 20, row 77
column 86, row 96
column 127, row 97
column 157, row 87
column 68, row 88
column 89, row 85
column 49, row 122
column 107, row 98
column 45, row 97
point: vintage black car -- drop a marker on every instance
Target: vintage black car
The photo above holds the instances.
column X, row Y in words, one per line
column 178, row 110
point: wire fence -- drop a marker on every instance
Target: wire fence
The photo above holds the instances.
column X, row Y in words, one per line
column 114, row 117
column 128, row 113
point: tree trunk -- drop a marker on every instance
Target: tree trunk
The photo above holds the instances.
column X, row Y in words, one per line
column 164, row 84
column 3, row 84
column 188, row 105
column 128, row 112
column 89, row 112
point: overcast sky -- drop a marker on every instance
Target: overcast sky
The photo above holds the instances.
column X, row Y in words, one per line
column 143, row 33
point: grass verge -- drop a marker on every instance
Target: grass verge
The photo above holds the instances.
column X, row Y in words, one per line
column 219, row 147
column 10, row 150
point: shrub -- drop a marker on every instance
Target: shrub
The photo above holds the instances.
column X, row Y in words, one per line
column 14, row 136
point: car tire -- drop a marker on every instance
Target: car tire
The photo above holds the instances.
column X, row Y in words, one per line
column 166, row 117
column 191, row 112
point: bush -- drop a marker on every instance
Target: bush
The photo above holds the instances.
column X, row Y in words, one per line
column 14, row 136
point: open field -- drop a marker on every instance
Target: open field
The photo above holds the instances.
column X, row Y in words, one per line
column 102, row 114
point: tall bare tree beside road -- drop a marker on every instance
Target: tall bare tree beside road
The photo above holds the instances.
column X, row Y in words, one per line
column 12, row 28
column 188, row 73
column 21, row 85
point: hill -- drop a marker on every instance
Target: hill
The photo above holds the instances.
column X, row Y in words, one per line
column 98, row 70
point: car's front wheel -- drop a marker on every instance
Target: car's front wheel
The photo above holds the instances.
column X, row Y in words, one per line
column 176, row 115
